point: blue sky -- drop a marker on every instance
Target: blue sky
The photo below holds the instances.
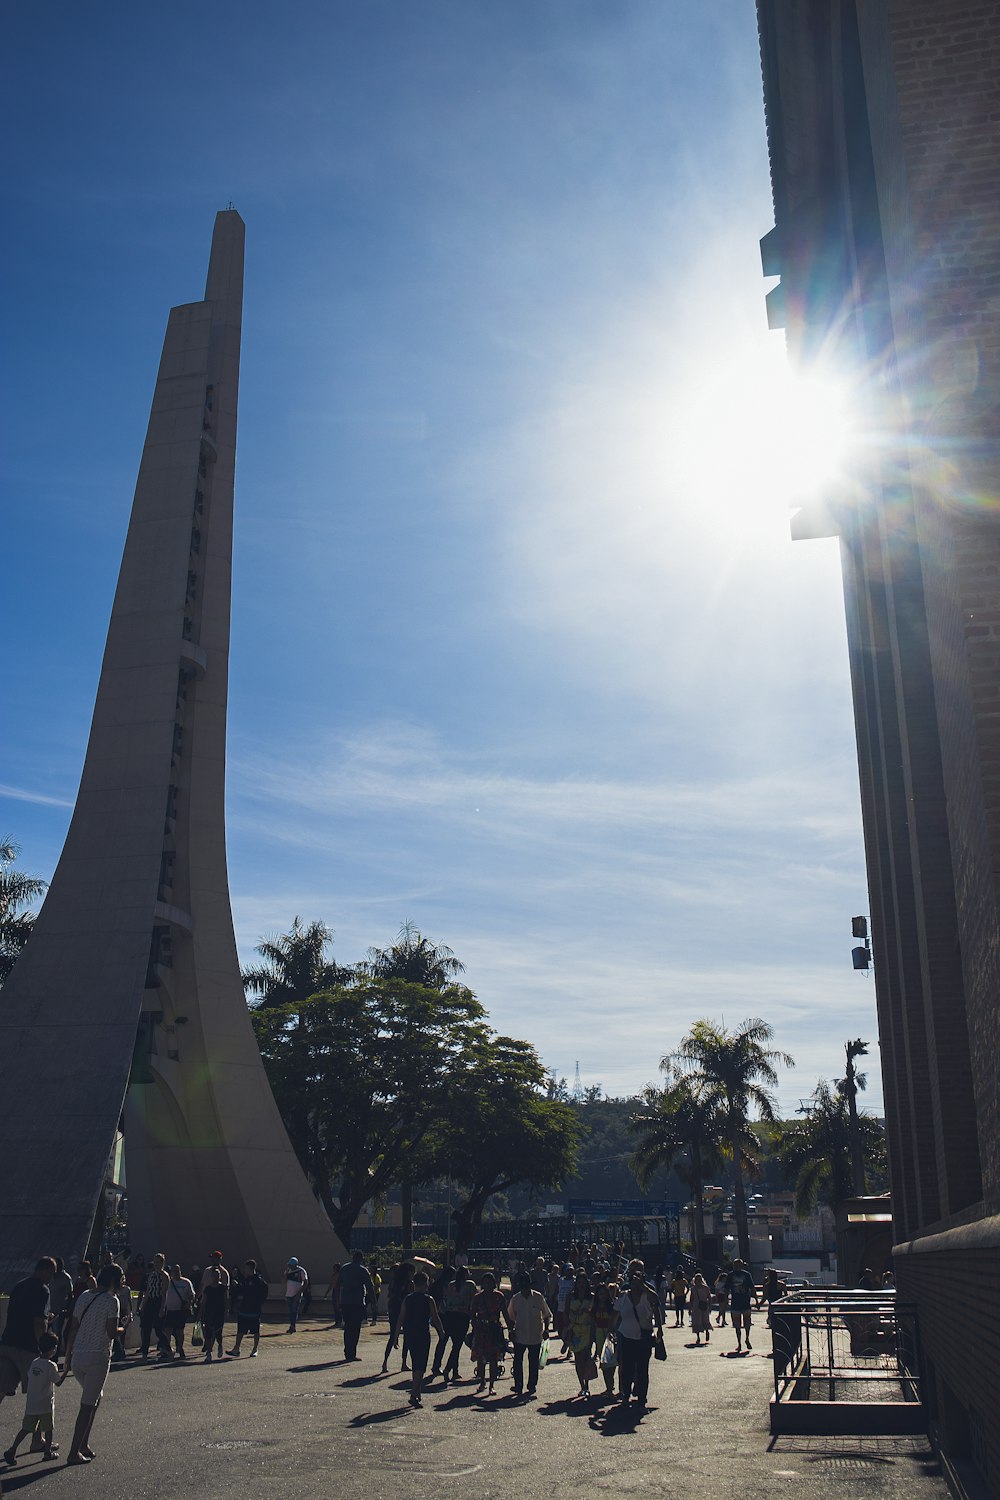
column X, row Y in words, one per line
column 521, row 650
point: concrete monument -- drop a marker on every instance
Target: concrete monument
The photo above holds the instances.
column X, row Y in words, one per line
column 128, row 1000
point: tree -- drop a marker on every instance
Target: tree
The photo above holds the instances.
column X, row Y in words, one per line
column 817, row 1148
column 681, row 1119
column 501, row 1129
column 737, row 1069
column 414, row 958
column 17, row 892
column 849, row 1087
column 364, row 1079
column 295, row 967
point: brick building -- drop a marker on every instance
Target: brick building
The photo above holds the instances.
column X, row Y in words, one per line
column 883, row 123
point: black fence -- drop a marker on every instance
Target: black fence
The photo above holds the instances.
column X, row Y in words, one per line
column 551, row 1236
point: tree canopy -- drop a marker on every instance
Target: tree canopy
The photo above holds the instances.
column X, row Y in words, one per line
column 501, row 1130
column 361, row 1074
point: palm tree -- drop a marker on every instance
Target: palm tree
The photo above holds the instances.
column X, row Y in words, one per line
column 295, row 966
column 737, row 1069
column 414, row 958
column 849, row 1087
column 17, row 892
column 681, row 1119
column 818, row 1148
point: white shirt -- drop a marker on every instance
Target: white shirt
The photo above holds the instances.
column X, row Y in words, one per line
column 42, row 1376
column 92, row 1313
column 635, row 1320
column 295, row 1283
column 180, row 1294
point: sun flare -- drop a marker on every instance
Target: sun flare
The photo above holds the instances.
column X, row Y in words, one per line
column 751, row 435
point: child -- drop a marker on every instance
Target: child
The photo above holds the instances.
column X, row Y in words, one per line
column 415, row 1317
column 39, row 1409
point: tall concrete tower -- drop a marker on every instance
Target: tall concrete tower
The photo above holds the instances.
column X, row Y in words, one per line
column 128, row 997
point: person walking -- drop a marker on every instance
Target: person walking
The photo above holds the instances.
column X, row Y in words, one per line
column 741, row 1292
column 40, row 1405
column 400, row 1285
column 721, row 1298
column 178, row 1307
column 580, row 1332
column 489, row 1312
column 253, row 1290
column 296, row 1281
column 456, row 1315
column 679, row 1287
column 701, row 1308
column 376, row 1277
column 27, row 1320
column 355, row 1287
column 96, row 1323
column 333, row 1292
column 638, row 1320
column 60, row 1298
column 417, row 1314
column 152, row 1306
column 215, row 1263
column 439, row 1291
column 212, row 1307
column 528, row 1316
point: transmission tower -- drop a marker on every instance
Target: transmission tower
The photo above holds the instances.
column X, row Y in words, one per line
column 577, row 1085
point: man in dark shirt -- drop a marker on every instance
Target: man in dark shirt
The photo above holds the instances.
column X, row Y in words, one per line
column 356, row 1288
column 251, row 1290
column 741, row 1291
column 27, row 1320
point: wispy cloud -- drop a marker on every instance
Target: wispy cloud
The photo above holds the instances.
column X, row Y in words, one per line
column 25, row 794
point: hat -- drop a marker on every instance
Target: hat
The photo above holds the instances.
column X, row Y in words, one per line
column 216, row 1253
column 293, row 1260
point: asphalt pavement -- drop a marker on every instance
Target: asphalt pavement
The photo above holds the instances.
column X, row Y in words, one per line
column 299, row 1422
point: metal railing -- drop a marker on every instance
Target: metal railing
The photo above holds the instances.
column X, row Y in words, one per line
column 833, row 1345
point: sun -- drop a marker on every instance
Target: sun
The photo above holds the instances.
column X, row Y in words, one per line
column 751, row 437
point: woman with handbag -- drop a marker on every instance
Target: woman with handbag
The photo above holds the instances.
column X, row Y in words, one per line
column 700, row 1297
column 178, row 1308
column 638, row 1325
column 96, row 1323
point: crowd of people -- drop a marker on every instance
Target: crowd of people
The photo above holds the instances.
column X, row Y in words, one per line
column 597, row 1307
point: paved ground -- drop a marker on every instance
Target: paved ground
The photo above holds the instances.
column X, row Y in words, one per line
column 297, row 1422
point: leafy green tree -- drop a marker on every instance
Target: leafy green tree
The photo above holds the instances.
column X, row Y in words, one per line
column 681, row 1120
column 17, row 892
column 364, row 1079
column 414, row 958
column 295, row 967
column 817, row 1149
column 736, row 1069
column 502, row 1130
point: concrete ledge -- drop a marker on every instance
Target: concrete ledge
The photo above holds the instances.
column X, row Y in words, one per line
column 981, row 1234
column 864, row 1418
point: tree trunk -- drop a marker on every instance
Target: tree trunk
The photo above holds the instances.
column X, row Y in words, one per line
column 739, row 1195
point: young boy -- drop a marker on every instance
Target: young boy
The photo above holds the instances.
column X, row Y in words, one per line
column 416, row 1315
column 39, row 1409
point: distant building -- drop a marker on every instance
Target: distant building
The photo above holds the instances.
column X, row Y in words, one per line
column 883, row 125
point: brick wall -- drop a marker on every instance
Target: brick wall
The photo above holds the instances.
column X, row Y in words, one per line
column 946, row 66
column 958, row 1297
